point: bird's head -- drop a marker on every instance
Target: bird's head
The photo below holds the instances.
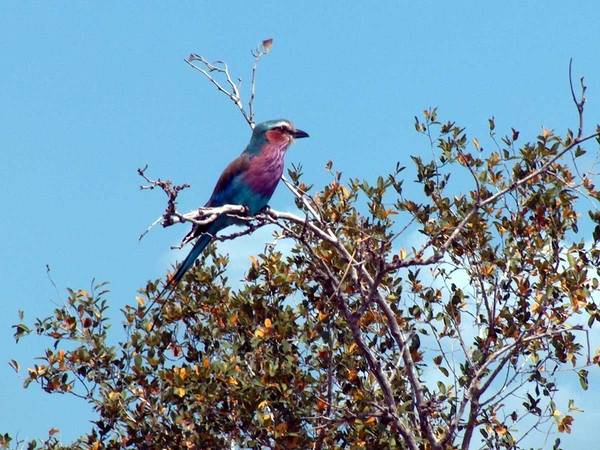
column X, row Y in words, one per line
column 278, row 132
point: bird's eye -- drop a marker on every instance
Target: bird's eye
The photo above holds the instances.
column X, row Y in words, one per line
column 282, row 129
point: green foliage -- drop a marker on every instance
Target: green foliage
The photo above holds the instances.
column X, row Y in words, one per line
column 350, row 342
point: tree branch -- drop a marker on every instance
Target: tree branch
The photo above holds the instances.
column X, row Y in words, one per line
column 234, row 94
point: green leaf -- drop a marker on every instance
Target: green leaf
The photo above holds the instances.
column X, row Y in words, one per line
column 14, row 364
column 583, row 379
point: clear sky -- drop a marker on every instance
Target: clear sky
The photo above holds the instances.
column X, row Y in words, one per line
column 90, row 91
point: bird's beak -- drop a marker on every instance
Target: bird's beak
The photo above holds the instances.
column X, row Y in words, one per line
column 300, row 134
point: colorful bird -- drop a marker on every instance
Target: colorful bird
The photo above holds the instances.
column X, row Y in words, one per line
column 249, row 180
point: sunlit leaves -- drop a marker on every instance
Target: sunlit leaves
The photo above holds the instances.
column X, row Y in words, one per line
column 483, row 275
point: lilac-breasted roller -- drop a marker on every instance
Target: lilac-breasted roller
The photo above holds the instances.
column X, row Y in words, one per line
column 249, row 180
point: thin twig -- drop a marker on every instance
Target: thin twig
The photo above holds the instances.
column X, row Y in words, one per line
column 263, row 49
column 235, row 93
column 578, row 103
column 233, row 96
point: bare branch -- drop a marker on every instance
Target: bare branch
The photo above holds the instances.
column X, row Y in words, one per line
column 303, row 197
column 234, row 93
column 156, row 222
column 262, row 50
column 578, row 103
column 233, row 96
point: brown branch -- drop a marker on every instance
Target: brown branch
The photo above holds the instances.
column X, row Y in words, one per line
column 439, row 254
column 328, row 235
column 411, row 371
column 578, row 103
column 373, row 363
column 476, row 388
column 377, row 370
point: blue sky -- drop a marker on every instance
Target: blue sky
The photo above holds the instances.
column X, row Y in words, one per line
column 89, row 92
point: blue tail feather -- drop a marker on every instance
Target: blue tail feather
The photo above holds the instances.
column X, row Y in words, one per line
column 199, row 246
column 171, row 285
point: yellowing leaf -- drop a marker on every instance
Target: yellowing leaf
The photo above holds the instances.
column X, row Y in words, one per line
column 268, row 323
column 140, row 300
column 180, row 391
column 565, row 424
column 267, row 44
column 486, row 270
column 254, row 262
column 402, row 253
column 282, row 427
column 369, row 421
column 476, row 143
column 82, row 292
column 262, row 405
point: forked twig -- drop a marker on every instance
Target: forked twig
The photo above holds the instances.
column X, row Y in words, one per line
column 578, row 103
column 233, row 94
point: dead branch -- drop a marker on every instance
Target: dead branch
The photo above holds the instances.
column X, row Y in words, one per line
column 233, row 92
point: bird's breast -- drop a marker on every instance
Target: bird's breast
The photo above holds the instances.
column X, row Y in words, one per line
column 265, row 172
